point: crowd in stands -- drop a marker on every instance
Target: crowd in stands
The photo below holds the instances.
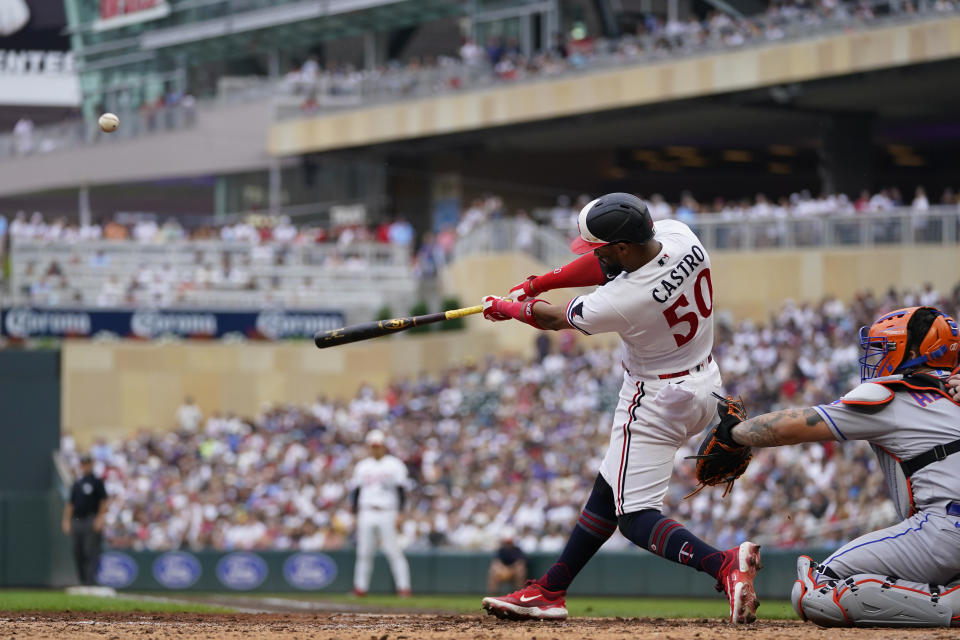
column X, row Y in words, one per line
column 249, row 254
column 252, row 230
column 506, row 442
column 267, row 240
column 655, row 37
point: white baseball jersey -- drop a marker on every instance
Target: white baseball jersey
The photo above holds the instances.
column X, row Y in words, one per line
column 377, row 481
column 663, row 311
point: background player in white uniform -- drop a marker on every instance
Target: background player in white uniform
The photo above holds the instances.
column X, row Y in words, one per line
column 378, row 496
column 907, row 574
column 659, row 299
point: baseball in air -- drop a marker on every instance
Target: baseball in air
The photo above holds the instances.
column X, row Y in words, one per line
column 109, row 122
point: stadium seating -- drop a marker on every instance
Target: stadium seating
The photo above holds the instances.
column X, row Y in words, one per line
column 211, row 274
column 504, row 442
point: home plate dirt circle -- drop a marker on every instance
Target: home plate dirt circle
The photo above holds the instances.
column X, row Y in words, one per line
column 409, row 626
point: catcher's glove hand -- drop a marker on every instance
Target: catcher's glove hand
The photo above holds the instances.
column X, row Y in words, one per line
column 721, row 460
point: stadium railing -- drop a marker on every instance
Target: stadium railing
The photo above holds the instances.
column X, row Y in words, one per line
column 510, row 234
column 940, row 225
column 359, row 278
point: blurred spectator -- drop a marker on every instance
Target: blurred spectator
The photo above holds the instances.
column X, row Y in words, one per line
column 471, row 54
column 23, row 135
column 509, row 564
column 115, row 231
column 4, row 224
column 401, row 233
column 189, row 416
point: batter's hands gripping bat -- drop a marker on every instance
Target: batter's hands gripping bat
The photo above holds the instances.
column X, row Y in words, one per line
column 367, row 330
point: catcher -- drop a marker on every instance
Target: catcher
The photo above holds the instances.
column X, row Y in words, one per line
column 907, row 574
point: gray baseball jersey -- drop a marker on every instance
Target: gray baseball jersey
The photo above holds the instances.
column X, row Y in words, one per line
column 909, row 423
column 900, row 424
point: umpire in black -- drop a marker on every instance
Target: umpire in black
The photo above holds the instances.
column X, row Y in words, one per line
column 83, row 519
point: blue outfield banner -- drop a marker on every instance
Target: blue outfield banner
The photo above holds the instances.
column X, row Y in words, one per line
column 615, row 573
column 269, row 324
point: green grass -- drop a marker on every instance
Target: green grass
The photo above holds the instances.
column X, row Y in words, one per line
column 37, row 600
column 577, row 605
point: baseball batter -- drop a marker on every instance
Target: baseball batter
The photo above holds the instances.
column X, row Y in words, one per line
column 378, row 497
column 907, row 574
column 657, row 294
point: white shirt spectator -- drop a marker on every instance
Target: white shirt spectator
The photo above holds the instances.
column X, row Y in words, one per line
column 111, row 293
column 659, row 208
column 880, row 202
column 471, row 54
column 189, row 416
column 23, row 135
column 284, row 232
column 920, row 203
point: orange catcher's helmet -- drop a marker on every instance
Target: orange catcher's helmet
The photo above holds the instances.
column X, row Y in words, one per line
column 885, row 344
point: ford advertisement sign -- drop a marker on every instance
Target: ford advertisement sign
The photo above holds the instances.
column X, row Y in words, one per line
column 116, row 569
column 241, row 571
column 309, row 570
column 176, row 570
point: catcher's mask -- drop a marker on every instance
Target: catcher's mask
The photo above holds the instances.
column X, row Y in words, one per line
column 885, row 344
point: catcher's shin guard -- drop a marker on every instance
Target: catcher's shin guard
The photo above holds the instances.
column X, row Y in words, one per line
column 816, row 602
column 873, row 600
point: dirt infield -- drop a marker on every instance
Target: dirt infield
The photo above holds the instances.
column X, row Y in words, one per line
column 404, row 626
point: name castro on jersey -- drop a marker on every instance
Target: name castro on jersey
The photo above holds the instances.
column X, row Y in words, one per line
column 684, row 269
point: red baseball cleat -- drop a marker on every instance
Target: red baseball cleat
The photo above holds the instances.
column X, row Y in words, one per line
column 404, row 593
column 533, row 602
column 740, row 566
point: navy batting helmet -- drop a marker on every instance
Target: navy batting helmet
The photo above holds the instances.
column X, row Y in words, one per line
column 615, row 217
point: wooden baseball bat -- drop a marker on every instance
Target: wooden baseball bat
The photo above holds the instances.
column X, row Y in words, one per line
column 367, row 330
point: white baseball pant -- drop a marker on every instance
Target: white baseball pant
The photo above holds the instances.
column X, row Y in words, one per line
column 370, row 523
column 653, row 419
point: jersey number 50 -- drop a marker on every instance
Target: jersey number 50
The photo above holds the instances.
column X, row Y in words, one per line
column 704, row 306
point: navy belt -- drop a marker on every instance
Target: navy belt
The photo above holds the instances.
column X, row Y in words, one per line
column 953, row 509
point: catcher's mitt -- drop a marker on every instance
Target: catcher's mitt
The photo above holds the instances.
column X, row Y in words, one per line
column 721, row 460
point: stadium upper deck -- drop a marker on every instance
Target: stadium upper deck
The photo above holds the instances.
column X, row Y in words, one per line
column 809, row 93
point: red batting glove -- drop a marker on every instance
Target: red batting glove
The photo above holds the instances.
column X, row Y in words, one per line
column 497, row 309
column 524, row 290
column 490, row 311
